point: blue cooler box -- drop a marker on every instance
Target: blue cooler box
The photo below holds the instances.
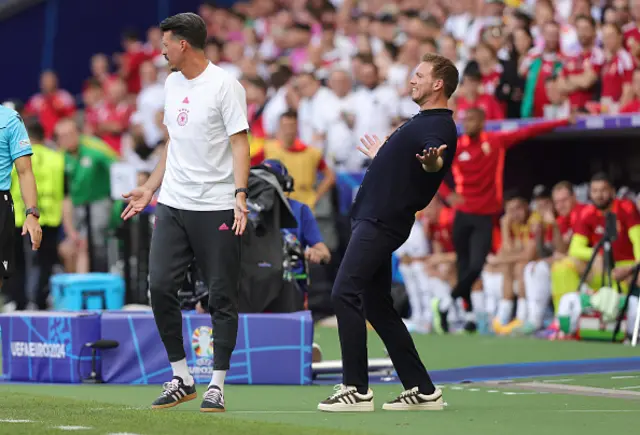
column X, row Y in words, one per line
column 90, row 291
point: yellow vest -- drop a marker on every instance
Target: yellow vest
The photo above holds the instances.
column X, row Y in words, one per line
column 302, row 165
column 48, row 170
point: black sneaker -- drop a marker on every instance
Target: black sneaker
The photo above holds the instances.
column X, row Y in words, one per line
column 212, row 400
column 347, row 399
column 470, row 327
column 412, row 400
column 174, row 393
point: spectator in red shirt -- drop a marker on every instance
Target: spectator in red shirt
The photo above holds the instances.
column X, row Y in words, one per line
column 568, row 210
column 51, row 104
column 580, row 73
column 489, row 66
column 478, row 171
column 536, row 68
column 471, row 97
column 511, row 87
column 632, row 30
column 100, row 70
column 153, row 46
column 134, row 56
column 93, row 99
column 256, row 99
column 633, row 106
column 113, row 115
column 617, row 70
column 559, row 105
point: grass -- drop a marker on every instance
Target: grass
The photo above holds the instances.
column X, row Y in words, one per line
column 290, row 410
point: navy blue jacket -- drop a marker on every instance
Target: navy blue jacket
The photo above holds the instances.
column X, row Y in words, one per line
column 395, row 186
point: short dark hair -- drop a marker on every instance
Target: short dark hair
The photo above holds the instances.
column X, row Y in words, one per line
column 443, row 69
column 563, row 185
column 34, row 129
column 291, row 114
column 281, row 76
column 188, row 26
column 587, row 18
column 513, row 194
column 601, row 176
column 472, row 73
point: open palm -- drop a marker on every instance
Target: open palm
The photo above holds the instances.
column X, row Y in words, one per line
column 139, row 198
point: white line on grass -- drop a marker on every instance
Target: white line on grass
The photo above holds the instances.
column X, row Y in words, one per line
column 493, row 391
column 10, row 420
column 72, row 427
column 557, row 380
column 513, row 393
column 473, row 389
column 633, row 387
column 596, row 410
column 624, row 377
column 123, row 433
column 271, row 412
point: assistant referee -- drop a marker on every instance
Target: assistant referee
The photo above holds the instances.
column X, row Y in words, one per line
column 202, row 204
column 395, row 187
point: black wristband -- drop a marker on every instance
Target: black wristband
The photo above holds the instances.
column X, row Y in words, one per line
column 242, row 190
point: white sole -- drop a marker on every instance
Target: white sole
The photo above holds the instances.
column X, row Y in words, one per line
column 437, row 405
column 344, row 407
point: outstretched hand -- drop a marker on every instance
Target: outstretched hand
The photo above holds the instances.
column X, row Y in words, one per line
column 370, row 145
column 139, row 198
column 430, row 158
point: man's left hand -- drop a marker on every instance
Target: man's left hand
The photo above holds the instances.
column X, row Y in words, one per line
column 32, row 226
column 313, row 255
column 430, row 157
column 240, row 212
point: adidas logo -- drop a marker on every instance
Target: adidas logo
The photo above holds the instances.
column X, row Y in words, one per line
column 223, row 227
column 186, row 100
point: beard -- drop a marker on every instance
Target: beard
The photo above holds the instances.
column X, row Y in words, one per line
column 603, row 205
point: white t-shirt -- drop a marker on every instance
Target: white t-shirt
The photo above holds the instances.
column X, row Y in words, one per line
column 200, row 115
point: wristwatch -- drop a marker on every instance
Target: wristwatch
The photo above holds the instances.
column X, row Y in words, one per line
column 242, row 190
column 33, row 211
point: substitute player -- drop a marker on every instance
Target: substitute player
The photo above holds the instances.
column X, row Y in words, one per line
column 478, row 172
column 394, row 189
column 202, row 205
column 15, row 148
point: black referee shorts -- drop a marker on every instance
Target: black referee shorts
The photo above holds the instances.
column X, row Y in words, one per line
column 7, row 238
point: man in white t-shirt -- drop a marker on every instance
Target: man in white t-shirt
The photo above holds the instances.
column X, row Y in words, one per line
column 202, row 208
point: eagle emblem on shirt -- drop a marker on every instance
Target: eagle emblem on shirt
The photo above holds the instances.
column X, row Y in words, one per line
column 183, row 117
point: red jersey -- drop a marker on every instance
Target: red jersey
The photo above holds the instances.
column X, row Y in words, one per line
column 488, row 103
column 490, row 80
column 631, row 35
column 256, row 121
column 119, row 114
column 576, row 65
column 478, row 167
column 631, row 107
column 567, row 223
column 591, row 224
column 131, row 61
column 442, row 230
column 616, row 72
column 550, row 62
column 50, row 109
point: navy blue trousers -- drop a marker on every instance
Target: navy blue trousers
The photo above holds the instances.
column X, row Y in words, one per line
column 362, row 289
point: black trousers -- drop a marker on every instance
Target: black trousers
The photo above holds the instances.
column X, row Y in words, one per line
column 178, row 238
column 43, row 260
column 472, row 240
column 363, row 289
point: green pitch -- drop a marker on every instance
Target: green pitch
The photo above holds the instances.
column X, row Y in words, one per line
column 472, row 409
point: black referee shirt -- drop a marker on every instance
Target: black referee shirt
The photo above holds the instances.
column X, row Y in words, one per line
column 395, row 186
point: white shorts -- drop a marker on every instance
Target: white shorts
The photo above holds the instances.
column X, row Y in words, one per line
column 416, row 245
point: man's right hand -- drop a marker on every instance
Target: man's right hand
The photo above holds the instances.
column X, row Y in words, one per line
column 139, row 198
column 370, row 145
column 454, row 199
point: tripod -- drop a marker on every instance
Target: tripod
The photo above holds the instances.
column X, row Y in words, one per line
column 605, row 244
column 633, row 289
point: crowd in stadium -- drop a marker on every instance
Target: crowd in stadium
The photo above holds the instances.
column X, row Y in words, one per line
column 321, row 74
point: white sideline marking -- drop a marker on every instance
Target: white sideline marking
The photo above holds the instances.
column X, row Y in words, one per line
column 457, row 388
column 597, row 410
column 72, row 427
column 557, row 380
column 513, row 393
column 493, row 391
column 10, row 420
column 272, row 412
column 624, row 377
column 122, row 433
column 633, row 387
column 473, row 389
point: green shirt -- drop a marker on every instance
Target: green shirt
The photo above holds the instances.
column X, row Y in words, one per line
column 88, row 172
